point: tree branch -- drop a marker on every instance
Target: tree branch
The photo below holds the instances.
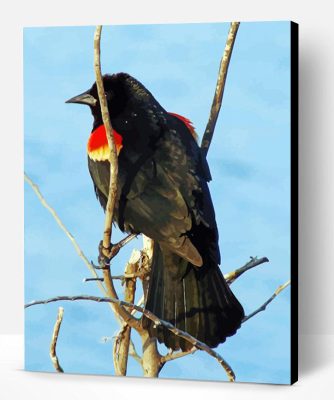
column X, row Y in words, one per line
column 140, row 303
column 265, row 304
column 109, row 132
column 195, row 342
column 53, row 345
column 106, row 242
column 122, row 341
column 117, row 247
column 218, row 97
column 124, row 315
column 92, row 280
column 117, row 355
column 254, row 262
column 179, row 354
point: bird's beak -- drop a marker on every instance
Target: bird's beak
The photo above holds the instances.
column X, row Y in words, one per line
column 83, row 98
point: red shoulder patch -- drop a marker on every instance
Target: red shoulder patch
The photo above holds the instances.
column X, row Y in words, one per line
column 98, row 140
column 187, row 123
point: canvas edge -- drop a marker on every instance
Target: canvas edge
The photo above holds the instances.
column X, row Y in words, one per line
column 294, row 199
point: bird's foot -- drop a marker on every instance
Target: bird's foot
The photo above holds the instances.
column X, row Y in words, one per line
column 107, row 254
column 104, row 256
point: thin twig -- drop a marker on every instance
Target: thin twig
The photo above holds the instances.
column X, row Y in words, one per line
column 64, row 229
column 92, row 280
column 118, row 277
column 121, row 353
column 71, row 237
column 264, row 305
column 218, row 97
column 254, row 262
column 53, row 345
column 184, row 335
column 179, row 354
column 116, row 247
column 124, row 315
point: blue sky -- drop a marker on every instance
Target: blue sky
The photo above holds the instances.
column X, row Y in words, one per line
column 249, row 161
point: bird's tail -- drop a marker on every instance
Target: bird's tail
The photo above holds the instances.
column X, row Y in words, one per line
column 195, row 300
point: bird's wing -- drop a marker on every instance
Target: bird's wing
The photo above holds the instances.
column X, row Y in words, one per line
column 169, row 199
column 100, row 174
column 190, row 171
column 155, row 206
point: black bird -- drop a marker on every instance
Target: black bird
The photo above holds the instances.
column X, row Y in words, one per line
column 163, row 193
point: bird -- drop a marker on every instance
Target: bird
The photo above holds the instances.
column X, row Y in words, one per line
column 163, row 193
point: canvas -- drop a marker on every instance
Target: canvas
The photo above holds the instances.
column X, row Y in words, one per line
column 197, row 276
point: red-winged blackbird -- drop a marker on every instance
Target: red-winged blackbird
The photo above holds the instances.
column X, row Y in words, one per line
column 163, row 193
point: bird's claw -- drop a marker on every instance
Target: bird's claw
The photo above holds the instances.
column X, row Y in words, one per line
column 107, row 254
column 104, row 256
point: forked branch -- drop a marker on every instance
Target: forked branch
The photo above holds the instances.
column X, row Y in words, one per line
column 133, row 322
column 265, row 304
column 254, row 262
column 184, row 335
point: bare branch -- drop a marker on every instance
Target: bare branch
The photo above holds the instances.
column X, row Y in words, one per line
column 109, row 131
column 184, row 335
column 175, row 355
column 264, row 305
column 106, row 243
column 132, row 349
column 254, row 262
column 218, row 97
column 122, row 342
column 92, row 280
column 118, row 308
column 65, row 230
column 118, row 277
column 53, row 345
column 116, row 247
column 117, row 355
column 124, row 314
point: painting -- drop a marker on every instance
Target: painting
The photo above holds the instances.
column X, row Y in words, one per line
column 161, row 200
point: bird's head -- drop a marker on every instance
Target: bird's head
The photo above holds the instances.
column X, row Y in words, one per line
column 115, row 87
column 136, row 116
